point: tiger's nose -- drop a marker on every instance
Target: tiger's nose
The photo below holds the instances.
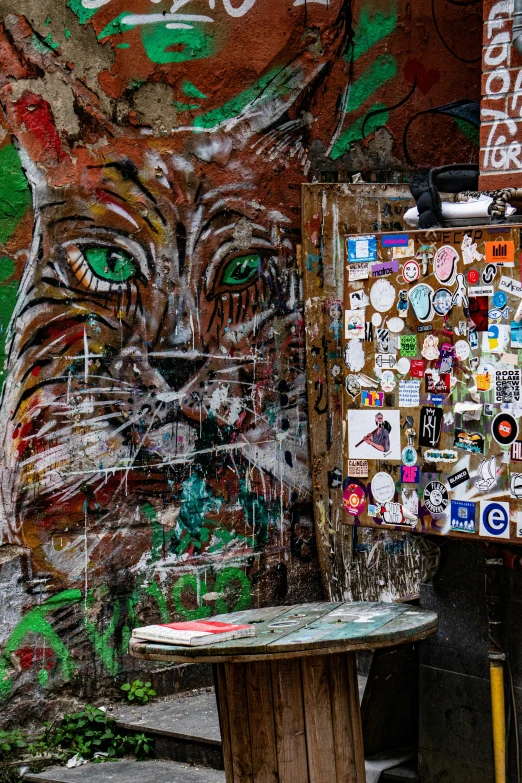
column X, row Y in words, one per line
column 177, row 367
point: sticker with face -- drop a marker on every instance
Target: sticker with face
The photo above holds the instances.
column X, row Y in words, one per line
column 421, row 299
column 353, row 386
column 411, row 271
column 382, row 295
column 442, row 301
column 445, row 264
column 402, row 304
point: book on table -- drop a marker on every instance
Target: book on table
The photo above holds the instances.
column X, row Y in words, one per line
column 192, row 633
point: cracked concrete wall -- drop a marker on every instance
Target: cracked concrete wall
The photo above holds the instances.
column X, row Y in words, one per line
column 154, row 416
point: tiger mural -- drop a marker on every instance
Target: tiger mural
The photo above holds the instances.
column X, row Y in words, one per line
column 157, row 336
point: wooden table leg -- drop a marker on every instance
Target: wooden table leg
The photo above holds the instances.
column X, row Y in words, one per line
column 291, row 721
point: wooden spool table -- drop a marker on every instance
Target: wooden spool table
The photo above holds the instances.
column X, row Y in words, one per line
column 288, row 698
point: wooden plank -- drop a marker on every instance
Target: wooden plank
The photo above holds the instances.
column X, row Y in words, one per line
column 355, row 713
column 342, row 719
column 329, row 212
column 289, row 721
column 240, row 741
column 410, row 623
column 262, row 722
column 318, row 720
column 224, row 725
column 315, row 627
column 328, row 631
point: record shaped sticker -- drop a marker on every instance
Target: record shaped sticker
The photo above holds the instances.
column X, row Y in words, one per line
column 421, row 299
column 504, row 429
column 354, row 499
column 445, row 264
column 442, row 301
column 383, row 487
column 436, row 497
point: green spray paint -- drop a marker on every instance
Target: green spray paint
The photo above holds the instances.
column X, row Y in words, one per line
column 165, row 45
column 83, row 14
column 378, row 73
column 235, row 106
column 372, row 29
column 192, row 91
column 35, row 623
column 15, row 196
column 197, row 501
column 232, row 580
column 354, row 132
column 105, row 652
column 190, row 583
column 469, row 130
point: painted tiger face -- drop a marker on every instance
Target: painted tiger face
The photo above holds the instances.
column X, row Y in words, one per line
column 153, row 309
column 157, row 340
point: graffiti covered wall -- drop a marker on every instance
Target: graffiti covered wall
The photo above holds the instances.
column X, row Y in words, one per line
column 153, row 416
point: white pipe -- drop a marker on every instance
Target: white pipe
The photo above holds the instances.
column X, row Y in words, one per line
column 517, row 27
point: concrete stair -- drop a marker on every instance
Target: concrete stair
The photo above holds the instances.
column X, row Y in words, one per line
column 187, row 746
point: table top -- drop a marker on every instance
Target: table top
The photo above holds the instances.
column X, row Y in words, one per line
column 304, row 630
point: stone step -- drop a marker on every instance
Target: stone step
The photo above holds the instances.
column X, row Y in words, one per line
column 126, row 771
column 185, row 728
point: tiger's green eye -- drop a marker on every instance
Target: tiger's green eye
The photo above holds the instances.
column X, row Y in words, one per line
column 241, row 270
column 110, row 263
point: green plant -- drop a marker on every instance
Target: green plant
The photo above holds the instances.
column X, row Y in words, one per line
column 91, row 732
column 11, row 742
column 9, row 774
column 138, row 691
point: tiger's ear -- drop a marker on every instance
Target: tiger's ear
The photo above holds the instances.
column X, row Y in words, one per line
column 27, row 67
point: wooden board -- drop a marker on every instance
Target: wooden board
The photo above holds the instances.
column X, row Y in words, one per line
column 310, row 629
column 451, row 353
column 359, row 564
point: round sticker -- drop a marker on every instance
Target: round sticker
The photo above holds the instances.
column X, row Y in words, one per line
column 473, row 277
column 382, row 295
column 376, row 319
column 461, row 350
column 442, row 301
column 409, row 456
column 395, row 325
column 504, row 429
column 436, row 497
column 499, row 299
column 445, row 264
column 411, row 271
column 488, row 274
column 383, row 487
column 354, row 499
column 403, row 365
column 388, row 382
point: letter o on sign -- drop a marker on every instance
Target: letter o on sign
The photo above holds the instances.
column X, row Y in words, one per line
column 502, row 75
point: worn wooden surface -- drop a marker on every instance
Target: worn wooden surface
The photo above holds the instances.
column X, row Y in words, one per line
column 305, row 630
column 292, row 721
column 355, row 563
